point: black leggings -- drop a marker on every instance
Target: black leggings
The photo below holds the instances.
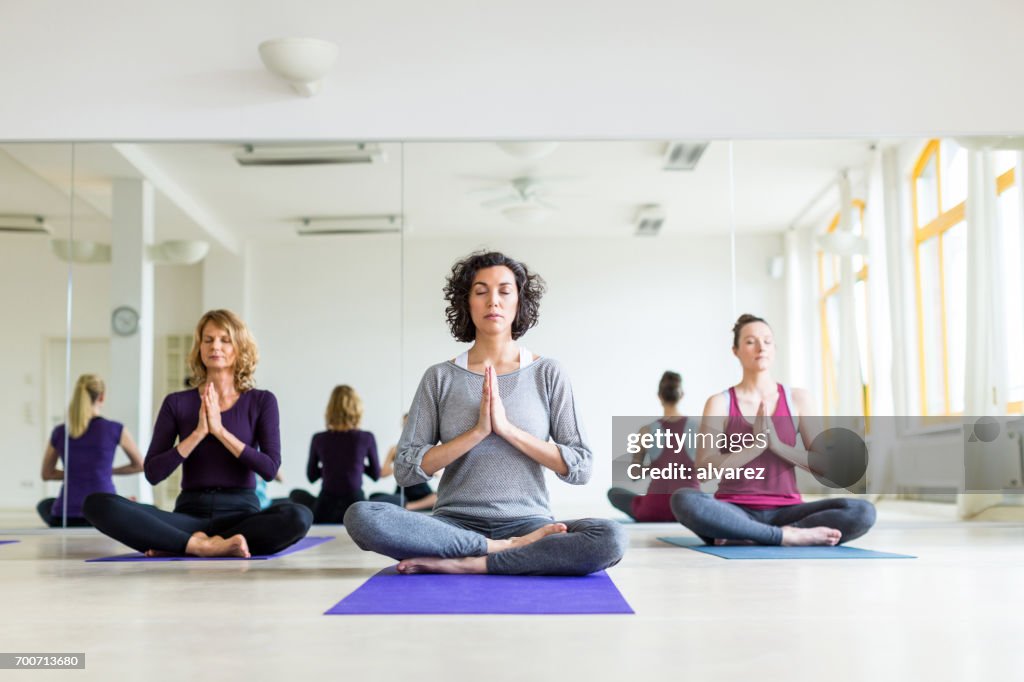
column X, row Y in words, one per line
column 326, row 508
column 214, row 512
column 46, row 506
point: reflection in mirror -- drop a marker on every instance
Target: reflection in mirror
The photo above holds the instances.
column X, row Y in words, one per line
column 872, row 296
column 301, row 242
column 35, row 211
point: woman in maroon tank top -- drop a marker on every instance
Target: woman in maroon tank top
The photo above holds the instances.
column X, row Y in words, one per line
column 654, row 505
column 757, row 500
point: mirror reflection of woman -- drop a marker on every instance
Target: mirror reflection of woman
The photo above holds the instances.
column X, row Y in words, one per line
column 341, row 455
column 769, row 511
column 92, row 442
column 494, row 419
column 654, row 505
column 223, row 433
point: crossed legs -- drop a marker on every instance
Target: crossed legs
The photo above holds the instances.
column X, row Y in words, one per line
column 439, row 544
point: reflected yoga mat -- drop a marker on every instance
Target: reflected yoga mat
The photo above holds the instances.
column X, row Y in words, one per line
column 304, row 543
column 390, row 593
column 778, row 552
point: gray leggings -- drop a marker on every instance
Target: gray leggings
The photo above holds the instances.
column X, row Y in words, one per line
column 590, row 545
column 713, row 519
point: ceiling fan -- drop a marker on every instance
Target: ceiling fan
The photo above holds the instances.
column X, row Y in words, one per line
column 521, row 200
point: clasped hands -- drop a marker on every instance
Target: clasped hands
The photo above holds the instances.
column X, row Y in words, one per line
column 209, row 413
column 763, row 425
column 492, row 410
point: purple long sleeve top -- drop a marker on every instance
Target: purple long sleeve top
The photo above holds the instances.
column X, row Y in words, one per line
column 342, row 457
column 253, row 419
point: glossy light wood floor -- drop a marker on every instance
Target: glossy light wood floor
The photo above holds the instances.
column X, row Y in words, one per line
column 955, row 613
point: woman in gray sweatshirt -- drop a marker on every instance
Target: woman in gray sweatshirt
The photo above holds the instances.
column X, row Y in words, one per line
column 493, row 419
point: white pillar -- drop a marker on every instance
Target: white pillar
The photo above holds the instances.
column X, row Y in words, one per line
column 130, row 389
column 849, row 378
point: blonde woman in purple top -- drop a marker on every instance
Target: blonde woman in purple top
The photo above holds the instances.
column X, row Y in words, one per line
column 223, row 433
column 763, row 506
column 340, row 456
column 92, row 442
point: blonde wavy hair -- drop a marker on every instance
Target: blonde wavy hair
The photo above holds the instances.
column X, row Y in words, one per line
column 88, row 390
column 246, row 353
column 344, row 409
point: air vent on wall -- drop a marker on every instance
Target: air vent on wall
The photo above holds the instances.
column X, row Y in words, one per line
column 24, row 224
column 649, row 220
column 356, row 224
column 683, row 155
column 309, row 155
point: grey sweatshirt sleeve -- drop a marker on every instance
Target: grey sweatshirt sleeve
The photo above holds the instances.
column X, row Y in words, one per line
column 567, row 428
column 421, row 432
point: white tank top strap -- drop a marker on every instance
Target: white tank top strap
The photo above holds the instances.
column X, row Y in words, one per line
column 789, row 405
column 525, row 358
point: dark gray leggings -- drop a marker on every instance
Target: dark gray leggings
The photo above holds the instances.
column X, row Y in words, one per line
column 713, row 519
column 590, row 545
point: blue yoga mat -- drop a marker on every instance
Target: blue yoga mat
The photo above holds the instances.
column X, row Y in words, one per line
column 7, row 542
column 390, row 593
column 778, row 552
column 304, row 543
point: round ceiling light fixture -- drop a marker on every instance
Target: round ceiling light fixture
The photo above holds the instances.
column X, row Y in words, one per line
column 303, row 62
column 528, row 150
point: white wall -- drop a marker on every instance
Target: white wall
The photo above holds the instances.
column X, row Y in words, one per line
column 33, row 308
column 464, row 69
column 325, row 311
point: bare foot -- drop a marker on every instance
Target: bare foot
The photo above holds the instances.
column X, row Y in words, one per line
column 203, row 545
column 470, row 564
column 495, row 546
column 198, row 536
column 805, row 537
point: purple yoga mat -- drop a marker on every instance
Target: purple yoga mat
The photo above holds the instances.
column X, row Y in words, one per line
column 390, row 593
column 7, row 542
column 304, row 543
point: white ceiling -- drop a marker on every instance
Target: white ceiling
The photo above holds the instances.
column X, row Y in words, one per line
column 465, row 69
column 598, row 187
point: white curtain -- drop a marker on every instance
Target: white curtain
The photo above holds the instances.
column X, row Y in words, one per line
column 985, row 362
column 984, row 376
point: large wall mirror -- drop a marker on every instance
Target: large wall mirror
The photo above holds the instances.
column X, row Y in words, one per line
column 36, row 211
column 863, row 255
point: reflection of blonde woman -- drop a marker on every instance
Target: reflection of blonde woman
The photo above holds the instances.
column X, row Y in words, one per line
column 92, row 442
column 222, row 433
column 340, row 455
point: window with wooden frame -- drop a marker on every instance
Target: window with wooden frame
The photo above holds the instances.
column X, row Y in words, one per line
column 828, row 309
column 939, row 198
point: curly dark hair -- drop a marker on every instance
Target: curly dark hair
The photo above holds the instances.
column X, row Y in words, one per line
column 530, row 287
